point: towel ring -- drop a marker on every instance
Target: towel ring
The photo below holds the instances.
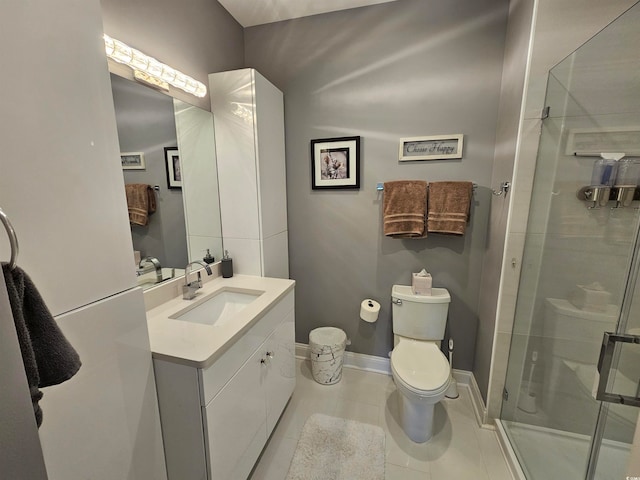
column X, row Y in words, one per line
column 13, row 239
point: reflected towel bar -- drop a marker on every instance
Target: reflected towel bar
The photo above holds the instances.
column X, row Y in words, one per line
column 13, row 239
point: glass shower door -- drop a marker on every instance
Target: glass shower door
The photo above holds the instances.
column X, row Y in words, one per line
column 578, row 276
column 619, row 388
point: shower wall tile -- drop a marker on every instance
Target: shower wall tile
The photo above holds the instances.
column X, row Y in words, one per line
column 543, row 189
column 527, row 290
column 553, row 41
column 514, row 380
column 569, row 262
column 523, row 176
column 501, row 346
column 509, row 279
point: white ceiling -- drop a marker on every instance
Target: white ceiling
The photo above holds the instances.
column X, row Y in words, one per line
column 258, row 12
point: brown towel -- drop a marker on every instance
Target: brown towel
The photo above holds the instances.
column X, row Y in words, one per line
column 48, row 357
column 404, row 208
column 141, row 201
column 449, row 204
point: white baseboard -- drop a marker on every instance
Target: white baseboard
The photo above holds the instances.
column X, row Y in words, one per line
column 375, row 364
column 360, row 361
column 479, row 408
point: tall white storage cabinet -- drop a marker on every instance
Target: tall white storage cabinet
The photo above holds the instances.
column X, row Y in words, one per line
column 62, row 188
column 248, row 113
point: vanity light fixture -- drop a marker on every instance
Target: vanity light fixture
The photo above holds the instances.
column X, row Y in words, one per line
column 150, row 70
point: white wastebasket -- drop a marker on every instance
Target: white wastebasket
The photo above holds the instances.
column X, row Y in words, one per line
column 327, row 346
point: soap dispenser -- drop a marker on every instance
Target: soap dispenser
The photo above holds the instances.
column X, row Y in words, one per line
column 208, row 258
column 226, row 266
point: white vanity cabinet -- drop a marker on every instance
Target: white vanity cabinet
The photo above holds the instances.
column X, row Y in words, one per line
column 216, row 420
column 281, row 372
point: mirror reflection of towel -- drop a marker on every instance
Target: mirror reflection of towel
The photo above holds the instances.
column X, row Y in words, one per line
column 141, row 201
column 49, row 359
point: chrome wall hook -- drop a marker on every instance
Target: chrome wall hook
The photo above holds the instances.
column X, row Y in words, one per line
column 503, row 190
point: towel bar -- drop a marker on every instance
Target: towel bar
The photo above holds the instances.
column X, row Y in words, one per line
column 13, row 239
column 380, row 186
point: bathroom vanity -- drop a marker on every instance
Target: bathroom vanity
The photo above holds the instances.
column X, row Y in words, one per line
column 225, row 369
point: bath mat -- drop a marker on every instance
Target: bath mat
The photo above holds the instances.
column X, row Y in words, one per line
column 336, row 449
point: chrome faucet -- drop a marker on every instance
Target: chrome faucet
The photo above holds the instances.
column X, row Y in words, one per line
column 189, row 288
column 156, row 265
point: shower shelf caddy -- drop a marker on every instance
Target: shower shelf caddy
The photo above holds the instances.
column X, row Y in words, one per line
column 600, row 195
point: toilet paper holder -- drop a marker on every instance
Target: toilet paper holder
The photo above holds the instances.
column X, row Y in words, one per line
column 369, row 310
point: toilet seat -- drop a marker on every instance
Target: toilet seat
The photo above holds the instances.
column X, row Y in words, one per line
column 420, row 367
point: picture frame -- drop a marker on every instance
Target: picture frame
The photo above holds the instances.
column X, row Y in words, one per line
column 434, row 147
column 132, row 160
column 594, row 141
column 172, row 162
column 335, row 163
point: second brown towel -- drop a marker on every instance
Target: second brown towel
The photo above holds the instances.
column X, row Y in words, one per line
column 404, row 209
column 449, row 205
column 141, row 201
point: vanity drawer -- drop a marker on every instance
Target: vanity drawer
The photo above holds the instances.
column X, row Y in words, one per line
column 217, row 375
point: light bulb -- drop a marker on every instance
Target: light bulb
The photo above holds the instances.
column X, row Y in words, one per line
column 168, row 74
column 140, row 62
column 109, row 46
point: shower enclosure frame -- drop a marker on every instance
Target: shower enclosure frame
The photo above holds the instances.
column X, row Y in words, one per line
column 625, row 304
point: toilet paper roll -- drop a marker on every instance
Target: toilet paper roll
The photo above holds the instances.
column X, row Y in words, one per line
column 369, row 310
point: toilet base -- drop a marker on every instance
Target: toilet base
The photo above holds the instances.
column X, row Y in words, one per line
column 416, row 418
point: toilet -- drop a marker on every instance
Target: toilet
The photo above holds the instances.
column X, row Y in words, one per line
column 420, row 370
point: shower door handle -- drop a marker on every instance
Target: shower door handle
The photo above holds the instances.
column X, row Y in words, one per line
column 605, row 362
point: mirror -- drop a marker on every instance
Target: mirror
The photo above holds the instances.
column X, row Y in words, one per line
column 169, row 146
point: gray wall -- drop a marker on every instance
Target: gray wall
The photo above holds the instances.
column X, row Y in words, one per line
column 146, row 123
column 197, row 37
column 407, row 68
column 515, row 63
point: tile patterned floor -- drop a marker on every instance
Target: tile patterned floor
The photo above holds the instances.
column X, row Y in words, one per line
column 458, row 449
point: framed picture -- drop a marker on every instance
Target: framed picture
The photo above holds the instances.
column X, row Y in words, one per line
column 132, row 160
column 172, row 161
column 335, row 163
column 435, row 147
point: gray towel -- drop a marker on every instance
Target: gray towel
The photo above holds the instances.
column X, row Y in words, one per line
column 49, row 359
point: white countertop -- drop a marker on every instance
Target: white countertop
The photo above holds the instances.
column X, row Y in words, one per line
column 199, row 345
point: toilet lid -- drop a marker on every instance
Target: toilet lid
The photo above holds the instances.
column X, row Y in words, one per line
column 420, row 365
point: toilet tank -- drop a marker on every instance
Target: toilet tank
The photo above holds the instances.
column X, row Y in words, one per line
column 423, row 317
column 576, row 334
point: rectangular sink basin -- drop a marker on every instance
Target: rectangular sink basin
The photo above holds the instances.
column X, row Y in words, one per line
column 217, row 308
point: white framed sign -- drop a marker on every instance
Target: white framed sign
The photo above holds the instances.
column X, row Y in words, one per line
column 435, row 147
